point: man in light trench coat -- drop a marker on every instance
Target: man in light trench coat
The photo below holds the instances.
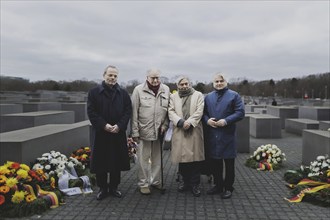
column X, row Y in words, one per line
column 186, row 111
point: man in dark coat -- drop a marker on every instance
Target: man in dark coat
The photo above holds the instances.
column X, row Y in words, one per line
column 109, row 109
column 223, row 108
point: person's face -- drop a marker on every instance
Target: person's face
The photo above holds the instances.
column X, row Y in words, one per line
column 219, row 83
column 153, row 79
column 110, row 77
column 183, row 85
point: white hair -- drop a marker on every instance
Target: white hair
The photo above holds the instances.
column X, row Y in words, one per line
column 153, row 71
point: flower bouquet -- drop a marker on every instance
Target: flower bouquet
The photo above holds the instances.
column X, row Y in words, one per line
column 132, row 149
column 266, row 157
column 22, row 191
column 66, row 172
column 82, row 155
column 311, row 182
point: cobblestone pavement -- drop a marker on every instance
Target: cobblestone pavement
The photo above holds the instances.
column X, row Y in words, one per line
column 257, row 195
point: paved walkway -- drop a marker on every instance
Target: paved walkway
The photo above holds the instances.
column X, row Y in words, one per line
column 257, row 195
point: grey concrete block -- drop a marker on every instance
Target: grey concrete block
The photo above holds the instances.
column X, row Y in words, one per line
column 265, row 126
column 283, row 112
column 10, row 108
column 315, row 143
column 297, row 125
column 319, row 113
column 80, row 110
column 260, row 110
column 41, row 106
column 251, row 108
column 243, row 135
column 324, row 125
column 17, row 121
column 26, row 145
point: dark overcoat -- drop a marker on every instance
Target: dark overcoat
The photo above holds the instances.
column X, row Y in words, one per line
column 221, row 141
column 113, row 106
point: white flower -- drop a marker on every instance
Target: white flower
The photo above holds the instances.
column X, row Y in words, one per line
column 70, row 164
column 47, row 167
column 37, row 166
column 263, row 154
column 257, row 157
column 278, row 159
column 54, row 161
column 320, row 158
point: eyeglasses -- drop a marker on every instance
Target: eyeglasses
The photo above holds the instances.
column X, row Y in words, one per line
column 221, row 81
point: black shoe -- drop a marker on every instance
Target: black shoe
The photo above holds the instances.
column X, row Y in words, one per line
column 196, row 191
column 226, row 194
column 214, row 190
column 102, row 194
column 116, row 193
column 182, row 187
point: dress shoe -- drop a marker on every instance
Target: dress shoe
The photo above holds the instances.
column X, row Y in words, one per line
column 102, row 194
column 214, row 190
column 158, row 187
column 115, row 192
column 226, row 194
column 196, row 191
column 182, row 187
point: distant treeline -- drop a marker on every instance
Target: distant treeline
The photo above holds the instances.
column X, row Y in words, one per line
column 312, row 86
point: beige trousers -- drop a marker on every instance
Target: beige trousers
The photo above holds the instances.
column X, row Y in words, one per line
column 149, row 163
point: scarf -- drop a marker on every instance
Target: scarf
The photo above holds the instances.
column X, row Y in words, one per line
column 186, row 101
column 153, row 88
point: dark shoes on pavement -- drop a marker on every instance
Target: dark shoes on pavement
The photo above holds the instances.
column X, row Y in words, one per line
column 103, row 193
column 226, row 194
column 182, row 187
column 196, row 191
column 214, row 190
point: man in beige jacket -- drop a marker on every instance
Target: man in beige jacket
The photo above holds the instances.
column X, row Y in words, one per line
column 186, row 111
column 149, row 122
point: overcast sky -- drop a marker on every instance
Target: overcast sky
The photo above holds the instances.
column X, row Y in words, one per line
column 256, row 40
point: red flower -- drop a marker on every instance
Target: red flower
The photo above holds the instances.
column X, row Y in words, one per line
column 2, row 199
column 15, row 166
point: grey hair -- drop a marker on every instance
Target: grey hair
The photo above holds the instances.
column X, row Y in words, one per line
column 219, row 74
column 153, row 71
column 110, row 67
column 180, row 78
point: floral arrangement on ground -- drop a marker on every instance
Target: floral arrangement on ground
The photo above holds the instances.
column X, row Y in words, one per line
column 266, row 157
column 24, row 191
column 310, row 183
column 55, row 165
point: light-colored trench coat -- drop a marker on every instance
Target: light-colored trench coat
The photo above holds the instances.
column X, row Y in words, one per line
column 190, row 148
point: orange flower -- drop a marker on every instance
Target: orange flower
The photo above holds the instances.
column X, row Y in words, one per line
column 3, row 178
column 2, row 199
column 30, row 198
column 4, row 189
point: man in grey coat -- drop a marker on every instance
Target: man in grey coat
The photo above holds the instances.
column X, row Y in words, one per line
column 149, row 122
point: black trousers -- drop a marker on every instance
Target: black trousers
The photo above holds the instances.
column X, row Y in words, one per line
column 191, row 173
column 102, row 180
column 223, row 182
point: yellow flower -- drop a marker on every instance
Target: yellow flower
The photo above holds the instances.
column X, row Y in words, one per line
column 86, row 148
column 18, row 197
column 30, row 198
column 3, row 178
column 25, row 167
column 328, row 173
column 22, row 173
column 4, row 170
column 4, row 189
column 52, row 182
column 84, row 156
column 9, row 163
column 11, row 182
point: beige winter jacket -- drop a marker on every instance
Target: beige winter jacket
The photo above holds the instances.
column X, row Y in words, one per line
column 149, row 111
column 191, row 148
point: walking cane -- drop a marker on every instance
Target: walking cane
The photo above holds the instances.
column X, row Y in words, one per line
column 161, row 139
